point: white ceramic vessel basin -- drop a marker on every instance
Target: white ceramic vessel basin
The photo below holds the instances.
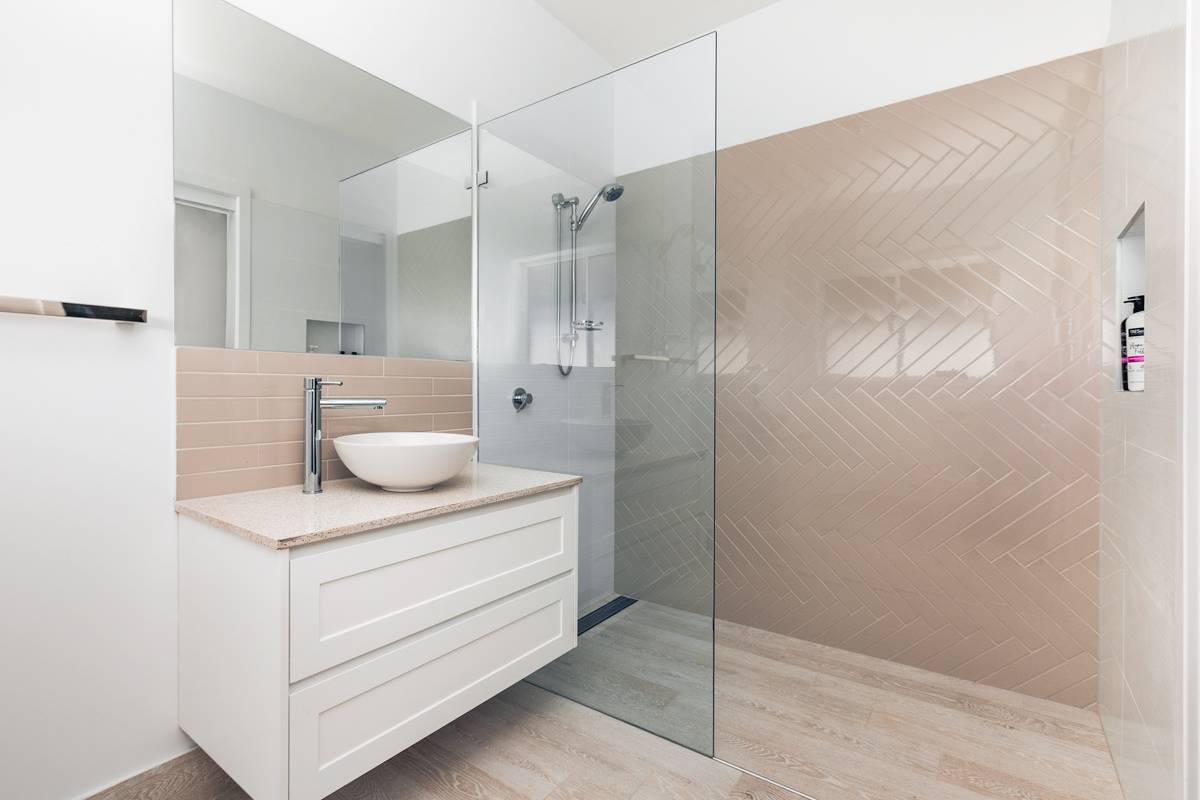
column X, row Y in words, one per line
column 405, row 462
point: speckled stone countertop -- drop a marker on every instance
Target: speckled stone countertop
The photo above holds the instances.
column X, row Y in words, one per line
column 286, row 517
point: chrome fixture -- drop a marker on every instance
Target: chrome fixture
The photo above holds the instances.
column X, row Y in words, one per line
column 313, row 403
column 609, row 193
column 481, row 179
column 60, row 308
column 521, row 399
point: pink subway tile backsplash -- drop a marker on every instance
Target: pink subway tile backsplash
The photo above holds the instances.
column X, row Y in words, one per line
column 221, row 434
column 304, row 364
column 280, row 407
column 216, row 409
column 240, row 412
column 452, row 386
column 214, row 359
column 216, row 459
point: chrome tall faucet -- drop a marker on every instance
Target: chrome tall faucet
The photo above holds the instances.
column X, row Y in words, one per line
column 313, row 403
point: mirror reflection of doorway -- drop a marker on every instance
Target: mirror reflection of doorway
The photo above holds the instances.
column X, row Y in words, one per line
column 201, row 274
column 212, row 264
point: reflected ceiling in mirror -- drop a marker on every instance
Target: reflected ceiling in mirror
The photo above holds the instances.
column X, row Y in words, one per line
column 406, row 254
column 266, row 128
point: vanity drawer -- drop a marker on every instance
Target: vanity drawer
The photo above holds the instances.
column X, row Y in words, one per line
column 354, row 719
column 353, row 597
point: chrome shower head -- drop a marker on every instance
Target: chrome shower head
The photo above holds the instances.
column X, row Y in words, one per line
column 609, row 192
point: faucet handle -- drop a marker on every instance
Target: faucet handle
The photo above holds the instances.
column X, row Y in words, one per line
column 314, row 383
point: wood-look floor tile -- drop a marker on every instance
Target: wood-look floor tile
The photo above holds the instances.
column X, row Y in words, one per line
column 749, row 787
column 435, row 772
column 192, row 776
column 793, row 711
column 832, row 724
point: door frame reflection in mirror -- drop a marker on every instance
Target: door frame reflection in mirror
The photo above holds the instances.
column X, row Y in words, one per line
column 234, row 202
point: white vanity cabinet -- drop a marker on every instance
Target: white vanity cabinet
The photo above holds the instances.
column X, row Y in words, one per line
column 303, row 667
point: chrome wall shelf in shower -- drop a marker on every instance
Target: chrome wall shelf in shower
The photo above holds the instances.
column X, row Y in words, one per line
column 653, row 359
column 59, row 308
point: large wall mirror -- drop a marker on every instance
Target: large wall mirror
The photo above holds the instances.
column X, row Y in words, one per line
column 299, row 224
column 406, row 255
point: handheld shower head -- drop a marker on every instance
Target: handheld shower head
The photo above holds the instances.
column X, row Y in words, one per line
column 609, row 192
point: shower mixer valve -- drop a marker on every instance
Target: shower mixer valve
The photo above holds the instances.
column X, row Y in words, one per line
column 521, row 399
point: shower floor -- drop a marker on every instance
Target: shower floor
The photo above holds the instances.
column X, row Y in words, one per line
column 830, row 723
column 649, row 665
column 838, row 725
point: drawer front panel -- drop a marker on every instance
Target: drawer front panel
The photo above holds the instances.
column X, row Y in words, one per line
column 350, row 722
column 353, row 599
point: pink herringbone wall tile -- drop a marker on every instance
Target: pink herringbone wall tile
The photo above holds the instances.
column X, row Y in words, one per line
column 908, row 335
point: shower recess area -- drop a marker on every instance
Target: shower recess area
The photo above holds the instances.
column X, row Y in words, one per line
column 597, row 285
column 837, row 398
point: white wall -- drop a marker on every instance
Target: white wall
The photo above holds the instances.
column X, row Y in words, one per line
column 283, row 159
column 419, row 208
column 296, row 275
column 1189, row 746
column 293, row 169
column 364, row 280
column 1131, row 19
column 795, row 63
column 415, row 191
column 220, row 45
column 566, row 145
column 664, row 107
column 1142, row 461
column 790, row 64
column 87, row 579
column 517, row 324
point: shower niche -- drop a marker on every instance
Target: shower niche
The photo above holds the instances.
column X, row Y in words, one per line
column 1131, row 304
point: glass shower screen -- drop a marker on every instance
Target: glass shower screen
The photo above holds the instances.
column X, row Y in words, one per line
column 597, row 271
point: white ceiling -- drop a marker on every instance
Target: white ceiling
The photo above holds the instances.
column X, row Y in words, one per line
column 623, row 31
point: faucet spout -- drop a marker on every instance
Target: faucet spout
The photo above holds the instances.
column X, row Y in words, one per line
column 313, row 403
column 352, row 402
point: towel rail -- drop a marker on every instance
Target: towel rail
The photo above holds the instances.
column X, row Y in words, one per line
column 58, row 308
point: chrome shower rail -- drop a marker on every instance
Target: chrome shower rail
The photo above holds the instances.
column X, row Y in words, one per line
column 60, row 308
